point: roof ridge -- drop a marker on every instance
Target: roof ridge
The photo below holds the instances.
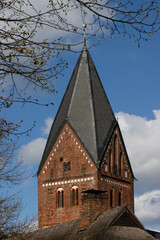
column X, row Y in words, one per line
column 94, row 115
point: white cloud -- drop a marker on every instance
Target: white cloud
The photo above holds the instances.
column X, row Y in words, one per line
column 142, row 139
column 47, row 127
column 31, row 153
column 148, row 208
column 148, row 205
column 57, row 22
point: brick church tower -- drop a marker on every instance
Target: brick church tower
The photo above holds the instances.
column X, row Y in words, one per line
column 85, row 155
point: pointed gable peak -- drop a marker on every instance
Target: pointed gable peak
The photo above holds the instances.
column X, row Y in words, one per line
column 86, row 108
column 119, row 216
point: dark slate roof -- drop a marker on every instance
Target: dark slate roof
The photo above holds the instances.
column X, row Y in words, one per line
column 86, row 108
column 104, row 227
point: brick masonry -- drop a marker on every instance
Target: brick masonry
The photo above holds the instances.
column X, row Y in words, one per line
column 70, row 166
column 93, row 204
column 116, row 172
column 82, row 173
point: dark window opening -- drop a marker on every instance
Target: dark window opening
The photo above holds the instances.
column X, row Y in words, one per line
column 66, row 166
column 120, row 197
column 77, row 196
column 115, row 169
column 111, row 197
column 74, row 196
column 51, row 172
column 60, row 198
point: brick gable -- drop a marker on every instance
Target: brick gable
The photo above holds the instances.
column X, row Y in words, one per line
column 67, row 166
column 116, row 173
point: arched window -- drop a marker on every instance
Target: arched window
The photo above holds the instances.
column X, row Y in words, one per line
column 77, row 196
column 120, row 197
column 74, row 196
column 60, row 197
column 111, row 197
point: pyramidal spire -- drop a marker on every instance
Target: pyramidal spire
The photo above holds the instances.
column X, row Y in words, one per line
column 86, row 108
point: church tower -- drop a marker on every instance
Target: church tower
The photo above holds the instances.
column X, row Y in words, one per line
column 84, row 153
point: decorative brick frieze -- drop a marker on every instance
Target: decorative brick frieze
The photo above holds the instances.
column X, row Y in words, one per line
column 70, row 181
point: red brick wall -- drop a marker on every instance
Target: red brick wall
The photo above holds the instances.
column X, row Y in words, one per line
column 83, row 174
column 93, row 204
column 113, row 177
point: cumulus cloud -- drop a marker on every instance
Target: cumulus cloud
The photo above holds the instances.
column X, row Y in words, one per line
column 46, row 129
column 31, row 153
column 73, row 19
column 148, row 208
column 142, row 139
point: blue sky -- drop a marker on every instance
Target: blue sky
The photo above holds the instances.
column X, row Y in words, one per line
column 130, row 76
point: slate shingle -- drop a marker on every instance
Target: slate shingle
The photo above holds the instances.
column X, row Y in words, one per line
column 86, row 108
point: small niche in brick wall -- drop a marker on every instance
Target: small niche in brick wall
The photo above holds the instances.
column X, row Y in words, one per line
column 83, row 168
column 51, row 174
column 66, row 166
